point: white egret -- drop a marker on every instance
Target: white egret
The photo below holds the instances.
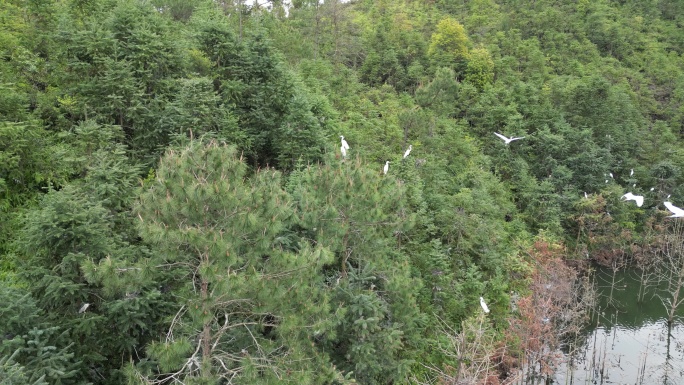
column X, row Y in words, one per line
column 631, row 172
column 408, row 151
column 676, row 211
column 343, row 151
column 652, row 188
column 506, row 139
column 484, row 305
column 585, row 195
column 386, row 168
column 611, row 175
column 83, row 308
column 639, row 199
column 345, row 145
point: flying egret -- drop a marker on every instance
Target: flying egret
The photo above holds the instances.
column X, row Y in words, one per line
column 345, row 145
column 484, row 305
column 639, row 199
column 408, row 151
column 506, row 139
column 676, row 211
column 386, row 168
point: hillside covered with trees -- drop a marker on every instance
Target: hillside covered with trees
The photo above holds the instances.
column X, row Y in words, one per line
column 175, row 206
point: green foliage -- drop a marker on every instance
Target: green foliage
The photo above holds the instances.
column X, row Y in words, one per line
column 480, row 68
column 357, row 214
column 32, row 353
column 330, row 272
column 449, row 45
column 245, row 289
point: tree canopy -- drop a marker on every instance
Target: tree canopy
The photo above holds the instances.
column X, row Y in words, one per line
column 176, row 208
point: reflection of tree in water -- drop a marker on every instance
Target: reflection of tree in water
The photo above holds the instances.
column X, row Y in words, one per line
column 655, row 353
column 552, row 313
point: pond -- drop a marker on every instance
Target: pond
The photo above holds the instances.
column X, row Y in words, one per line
column 627, row 342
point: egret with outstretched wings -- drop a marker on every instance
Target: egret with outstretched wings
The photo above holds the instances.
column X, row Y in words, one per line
column 676, row 211
column 507, row 139
column 639, row 199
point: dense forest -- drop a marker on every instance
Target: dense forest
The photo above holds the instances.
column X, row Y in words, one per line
column 177, row 205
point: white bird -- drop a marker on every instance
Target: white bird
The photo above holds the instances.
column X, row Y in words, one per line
column 585, row 195
column 408, row 151
column 611, row 175
column 484, row 305
column 386, row 168
column 652, row 188
column 343, row 151
column 639, row 199
column 631, row 172
column 506, row 139
column 676, row 211
column 83, row 308
column 345, row 145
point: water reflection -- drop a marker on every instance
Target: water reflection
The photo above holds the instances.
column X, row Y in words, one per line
column 628, row 342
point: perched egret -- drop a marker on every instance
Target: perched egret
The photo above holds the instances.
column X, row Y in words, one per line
column 631, row 172
column 345, row 145
column 639, row 199
column 676, row 211
column 343, row 151
column 585, row 195
column 83, row 308
column 611, row 175
column 484, row 305
column 652, row 188
column 506, row 139
column 386, row 168
column 408, row 151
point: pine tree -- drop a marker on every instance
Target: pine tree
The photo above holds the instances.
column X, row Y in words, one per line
column 246, row 291
column 75, row 249
column 358, row 214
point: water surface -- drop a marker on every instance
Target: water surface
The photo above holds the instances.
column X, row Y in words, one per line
column 628, row 341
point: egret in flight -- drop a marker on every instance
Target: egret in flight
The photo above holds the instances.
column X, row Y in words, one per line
column 506, row 139
column 345, row 145
column 676, row 211
column 408, row 151
column 386, row 168
column 484, row 305
column 639, row 199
